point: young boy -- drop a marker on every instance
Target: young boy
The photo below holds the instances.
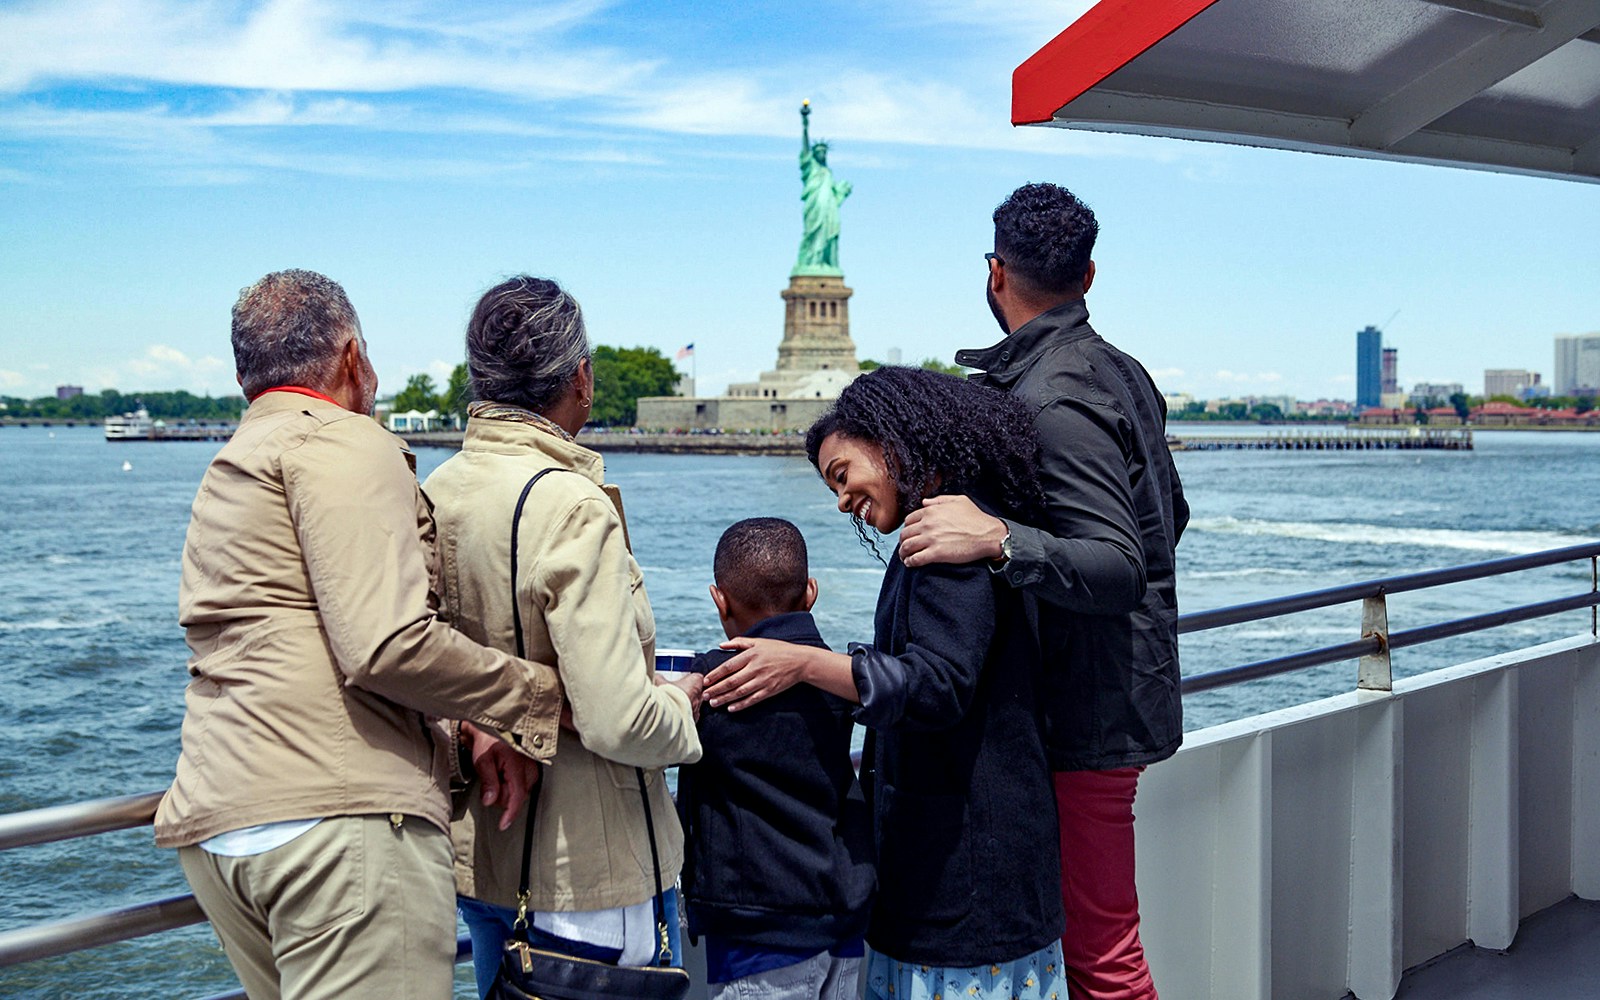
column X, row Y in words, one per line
column 778, row 870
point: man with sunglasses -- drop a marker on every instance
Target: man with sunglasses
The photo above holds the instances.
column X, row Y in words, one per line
column 1102, row 563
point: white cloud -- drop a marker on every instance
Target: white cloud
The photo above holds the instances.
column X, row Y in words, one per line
column 1247, row 378
column 361, row 64
column 1166, row 373
column 10, row 379
column 163, row 367
column 301, row 45
column 1035, row 22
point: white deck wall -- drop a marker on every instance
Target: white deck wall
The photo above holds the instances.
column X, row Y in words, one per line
column 1326, row 848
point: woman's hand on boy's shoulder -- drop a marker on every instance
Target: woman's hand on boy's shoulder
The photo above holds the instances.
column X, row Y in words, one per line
column 759, row 669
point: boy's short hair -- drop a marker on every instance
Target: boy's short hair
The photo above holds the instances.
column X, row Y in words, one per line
column 761, row 564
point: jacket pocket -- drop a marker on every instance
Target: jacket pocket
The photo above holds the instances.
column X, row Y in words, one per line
column 924, row 859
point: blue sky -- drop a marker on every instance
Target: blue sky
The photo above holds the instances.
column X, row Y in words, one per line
column 158, row 155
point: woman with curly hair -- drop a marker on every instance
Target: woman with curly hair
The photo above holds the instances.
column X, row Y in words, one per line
column 969, row 901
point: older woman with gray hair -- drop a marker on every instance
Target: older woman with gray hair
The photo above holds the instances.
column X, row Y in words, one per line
column 579, row 603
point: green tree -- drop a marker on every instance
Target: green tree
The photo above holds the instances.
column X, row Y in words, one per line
column 867, row 364
column 1462, row 403
column 457, row 394
column 622, row 375
column 419, row 394
column 935, row 365
column 1267, row 413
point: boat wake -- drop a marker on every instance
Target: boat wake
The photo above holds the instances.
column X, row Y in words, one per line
column 61, row 624
column 1344, row 533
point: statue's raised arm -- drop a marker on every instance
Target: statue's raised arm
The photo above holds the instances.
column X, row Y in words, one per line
column 821, row 198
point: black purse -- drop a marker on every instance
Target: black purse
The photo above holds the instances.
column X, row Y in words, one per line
column 531, row 973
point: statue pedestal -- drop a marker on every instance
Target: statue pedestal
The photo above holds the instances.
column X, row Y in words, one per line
column 817, row 358
column 816, row 326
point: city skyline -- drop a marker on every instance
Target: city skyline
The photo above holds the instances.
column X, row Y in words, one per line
column 161, row 155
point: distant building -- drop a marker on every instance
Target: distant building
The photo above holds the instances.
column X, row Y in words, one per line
column 415, row 422
column 1386, row 415
column 68, row 391
column 1577, row 364
column 1424, row 391
column 1497, row 414
column 1324, row 408
column 1177, row 402
column 1391, row 371
column 1507, row 381
column 1369, row 366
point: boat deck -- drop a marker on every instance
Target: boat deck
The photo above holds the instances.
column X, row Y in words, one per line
column 1556, row 954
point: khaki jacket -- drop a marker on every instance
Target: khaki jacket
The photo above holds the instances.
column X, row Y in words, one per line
column 308, row 597
column 584, row 609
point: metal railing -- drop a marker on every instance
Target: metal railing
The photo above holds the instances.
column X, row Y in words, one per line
column 1372, row 649
column 1376, row 640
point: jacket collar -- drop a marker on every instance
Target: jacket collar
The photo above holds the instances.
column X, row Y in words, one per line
column 794, row 626
column 1007, row 360
column 506, row 429
column 278, row 401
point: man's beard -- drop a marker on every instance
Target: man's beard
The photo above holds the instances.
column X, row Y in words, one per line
column 994, row 307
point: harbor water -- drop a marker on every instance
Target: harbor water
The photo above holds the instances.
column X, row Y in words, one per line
column 92, row 660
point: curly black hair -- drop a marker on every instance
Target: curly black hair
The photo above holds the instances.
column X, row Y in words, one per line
column 973, row 440
column 1045, row 235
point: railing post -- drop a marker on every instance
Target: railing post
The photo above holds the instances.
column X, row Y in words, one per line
column 1375, row 674
column 1594, row 586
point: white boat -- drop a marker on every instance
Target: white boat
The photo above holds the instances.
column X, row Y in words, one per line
column 1323, row 850
column 135, row 426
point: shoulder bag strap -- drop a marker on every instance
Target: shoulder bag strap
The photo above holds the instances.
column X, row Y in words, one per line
column 663, row 948
column 522, row 652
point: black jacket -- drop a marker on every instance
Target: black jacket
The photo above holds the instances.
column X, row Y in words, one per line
column 778, row 843
column 1104, row 559
column 969, row 871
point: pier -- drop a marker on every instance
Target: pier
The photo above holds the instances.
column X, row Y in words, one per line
column 715, row 443
column 1351, row 439
column 732, row 443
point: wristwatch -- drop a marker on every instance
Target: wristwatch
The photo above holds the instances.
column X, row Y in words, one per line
column 1005, row 549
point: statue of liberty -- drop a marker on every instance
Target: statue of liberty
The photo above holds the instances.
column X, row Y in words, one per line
column 819, row 240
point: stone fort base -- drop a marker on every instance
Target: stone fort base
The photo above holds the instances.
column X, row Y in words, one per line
column 726, row 413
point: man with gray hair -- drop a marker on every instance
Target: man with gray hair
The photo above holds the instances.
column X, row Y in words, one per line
column 309, row 806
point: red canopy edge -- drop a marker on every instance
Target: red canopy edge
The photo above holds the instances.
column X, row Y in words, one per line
column 1107, row 37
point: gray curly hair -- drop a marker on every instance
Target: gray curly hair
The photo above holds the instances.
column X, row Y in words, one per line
column 525, row 342
column 288, row 329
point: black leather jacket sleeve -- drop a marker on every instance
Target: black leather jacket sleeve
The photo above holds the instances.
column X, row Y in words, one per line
column 1090, row 558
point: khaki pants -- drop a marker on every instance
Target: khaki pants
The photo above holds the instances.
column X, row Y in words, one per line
column 356, row 907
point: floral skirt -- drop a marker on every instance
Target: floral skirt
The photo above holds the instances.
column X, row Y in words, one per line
column 1039, row 976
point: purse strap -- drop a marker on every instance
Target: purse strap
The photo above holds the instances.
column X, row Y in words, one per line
column 663, row 947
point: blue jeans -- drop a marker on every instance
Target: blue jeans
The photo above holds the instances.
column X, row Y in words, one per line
column 490, row 927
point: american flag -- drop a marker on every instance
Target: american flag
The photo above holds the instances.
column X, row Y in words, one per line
column 683, row 352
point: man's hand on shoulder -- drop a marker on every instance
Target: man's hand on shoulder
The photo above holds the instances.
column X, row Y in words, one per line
column 950, row 529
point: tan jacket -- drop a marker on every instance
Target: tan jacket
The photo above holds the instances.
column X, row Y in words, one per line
column 308, row 601
column 584, row 609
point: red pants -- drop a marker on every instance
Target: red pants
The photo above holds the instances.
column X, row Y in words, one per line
column 1105, row 960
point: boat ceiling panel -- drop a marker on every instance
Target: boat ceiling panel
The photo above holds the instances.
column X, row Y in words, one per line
column 1494, row 84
